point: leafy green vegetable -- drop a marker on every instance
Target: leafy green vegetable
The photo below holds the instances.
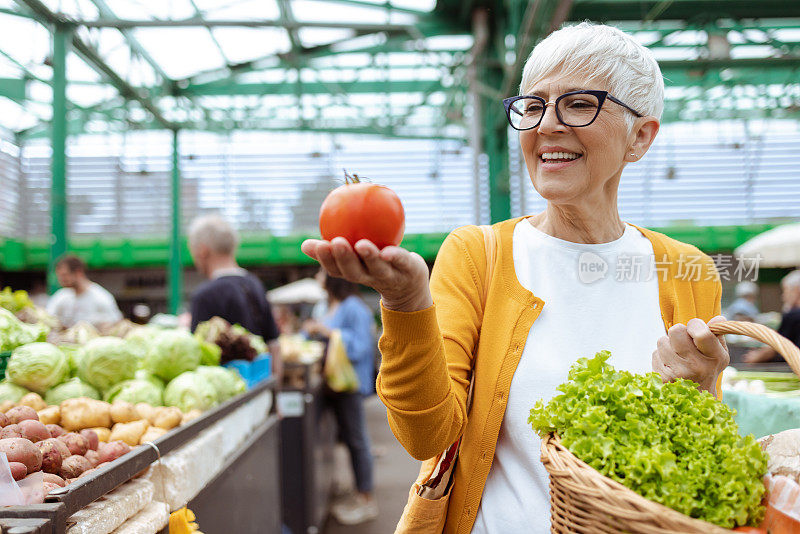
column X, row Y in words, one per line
column 210, row 353
column 226, row 382
column 668, row 442
column 144, row 374
column 136, row 390
column 71, row 389
column 14, row 301
column 37, row 366
column 189, row 391
column 171, row 353
column 105, row 361
column 14, row 333
column 11, row 391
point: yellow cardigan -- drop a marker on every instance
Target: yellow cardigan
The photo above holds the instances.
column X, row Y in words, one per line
column 427, row 354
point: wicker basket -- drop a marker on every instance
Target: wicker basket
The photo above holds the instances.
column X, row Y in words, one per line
column 584, row 501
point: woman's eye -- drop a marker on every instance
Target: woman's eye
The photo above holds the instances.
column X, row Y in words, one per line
column 581, row 104
column 533, row 108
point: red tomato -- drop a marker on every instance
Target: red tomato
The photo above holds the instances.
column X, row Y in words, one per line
column 751, row 530
column 363, row 211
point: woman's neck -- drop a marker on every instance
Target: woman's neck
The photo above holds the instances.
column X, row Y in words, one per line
column 579, row 226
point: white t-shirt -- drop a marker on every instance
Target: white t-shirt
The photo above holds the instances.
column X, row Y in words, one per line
column 95, row 305
column 594, row 300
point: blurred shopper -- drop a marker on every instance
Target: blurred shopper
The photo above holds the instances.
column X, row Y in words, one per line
column 790, row 322
column 80, row 299
column 353, row 318
column 744, row 307
column 591, row 98
column 230, row 291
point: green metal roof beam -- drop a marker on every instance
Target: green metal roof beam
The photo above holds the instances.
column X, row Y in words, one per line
column 93, row 59
column 13, row 89
column 618, row 10
column 243, row 23
column 385, row 5
column 313, row 88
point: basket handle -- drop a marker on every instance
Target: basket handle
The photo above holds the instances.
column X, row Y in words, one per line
column 782, row 346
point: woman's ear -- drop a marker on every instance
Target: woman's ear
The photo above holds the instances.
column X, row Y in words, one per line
column 643, row 134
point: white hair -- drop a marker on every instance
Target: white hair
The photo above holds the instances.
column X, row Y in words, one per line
column 792, row 279
column 746, row 288
column 600, row 53
column 214, row 232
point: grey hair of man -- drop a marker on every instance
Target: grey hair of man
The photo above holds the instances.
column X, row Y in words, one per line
column 605, row 55
column 214, row 232
column 792, row 279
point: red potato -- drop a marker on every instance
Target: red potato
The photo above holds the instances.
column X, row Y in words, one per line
column 55, row 430
column 18, row 470
column 111, row 451
column 11, row 431
column 4, row 420
column 50, row 486
column 87, row 473
column 23, row 451
column 51, row 457
column 73, row 466
column 21, row 413
column 76, row 443
column 33, row 430
column 55, row 479
column 93, row 457
column 91, row 437
column 60, row 446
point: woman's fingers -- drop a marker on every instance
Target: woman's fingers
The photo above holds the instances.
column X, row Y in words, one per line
column 326, row 259
column 347, row 261
column 309, row 248
column 680, row 340
column 705, row 341
column 378, row 269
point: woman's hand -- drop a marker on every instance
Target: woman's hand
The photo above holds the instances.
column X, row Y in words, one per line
column 691, row 351
column 400, row 276
column 315, row 328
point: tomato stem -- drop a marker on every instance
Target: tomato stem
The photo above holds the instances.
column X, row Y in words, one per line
column 351, row 179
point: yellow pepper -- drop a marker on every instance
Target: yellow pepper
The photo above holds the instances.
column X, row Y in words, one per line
column 180, row 522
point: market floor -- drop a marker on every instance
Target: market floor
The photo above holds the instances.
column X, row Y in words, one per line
column 395, row 471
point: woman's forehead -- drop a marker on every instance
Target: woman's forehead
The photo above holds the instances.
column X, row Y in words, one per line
column 558, row 84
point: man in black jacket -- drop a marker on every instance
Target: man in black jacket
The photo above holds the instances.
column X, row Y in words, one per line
column 229, row 292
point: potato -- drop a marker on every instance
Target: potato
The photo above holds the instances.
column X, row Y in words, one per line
column 11, row 431
column 124, row 412
column 6, row 405
column 54, row 479
column 167, row 417
column 76, row 443
column 21, row 413
column 23, row 451
column 111, row 451
column 77, row 414
column 59, row 445
column 146, row 411
column 50, row 486
column 3, row 420
column 152, row 434
column 93, row 457
column 190, row 415
column 33, row 430
column 50, row 415
column 18, row 470
column 33, row 400
column 55, row 430
column 130, row 433
column 91, row 437
column 73, row 466
column 87, row 473
column 102, row 433
column 51, row 456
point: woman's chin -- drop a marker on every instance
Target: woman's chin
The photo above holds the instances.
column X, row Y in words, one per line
column 555, row 191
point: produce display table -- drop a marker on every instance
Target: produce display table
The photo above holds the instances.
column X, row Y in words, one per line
column 762, row 415
column 212, row 458
column 308, row 436
column 26, row 526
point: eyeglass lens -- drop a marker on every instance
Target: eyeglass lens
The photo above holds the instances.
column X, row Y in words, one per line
column 573, row 110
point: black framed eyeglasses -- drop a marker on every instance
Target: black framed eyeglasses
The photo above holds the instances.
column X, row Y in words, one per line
column 575, row 109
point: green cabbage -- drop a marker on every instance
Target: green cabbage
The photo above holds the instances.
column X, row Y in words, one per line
column 14, row 333
column 105, row 361
column 73, row 353
column 670, row 442
column 71, row 389
column 11, row 391
column 136, row 390
column 144, row 374
column 171, row 353
column 189, row 391
column 226, row 382
column 37, row 366
column 141, row 337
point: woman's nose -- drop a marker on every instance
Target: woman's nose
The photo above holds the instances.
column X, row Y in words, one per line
column 550, row 122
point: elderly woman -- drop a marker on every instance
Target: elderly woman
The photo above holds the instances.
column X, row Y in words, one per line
column 568, row 282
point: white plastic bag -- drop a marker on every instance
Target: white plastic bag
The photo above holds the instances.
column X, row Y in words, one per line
column 29, row 490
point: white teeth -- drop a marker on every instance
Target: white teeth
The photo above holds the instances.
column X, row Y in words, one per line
column 559, row 155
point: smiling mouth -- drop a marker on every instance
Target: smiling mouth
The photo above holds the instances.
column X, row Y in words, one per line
column 559, row 157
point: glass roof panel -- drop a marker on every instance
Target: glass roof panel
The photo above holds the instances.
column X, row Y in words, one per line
column 319, row 36
column 181, row 52
column 241, row 9
column 244, row 44
column 320, row 11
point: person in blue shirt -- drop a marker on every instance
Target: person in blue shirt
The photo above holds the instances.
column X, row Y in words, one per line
column 744, row 307
column 353, row 318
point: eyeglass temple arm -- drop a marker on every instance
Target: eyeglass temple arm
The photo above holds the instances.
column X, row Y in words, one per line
column 623, row 104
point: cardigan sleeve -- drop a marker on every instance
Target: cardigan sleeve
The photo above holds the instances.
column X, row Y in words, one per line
column 427, row 355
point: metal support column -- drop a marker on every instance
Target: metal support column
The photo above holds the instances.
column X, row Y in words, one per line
column 58, row 191
column 175, row 269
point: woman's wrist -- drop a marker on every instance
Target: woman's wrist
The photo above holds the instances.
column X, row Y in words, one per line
column 412, row 303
